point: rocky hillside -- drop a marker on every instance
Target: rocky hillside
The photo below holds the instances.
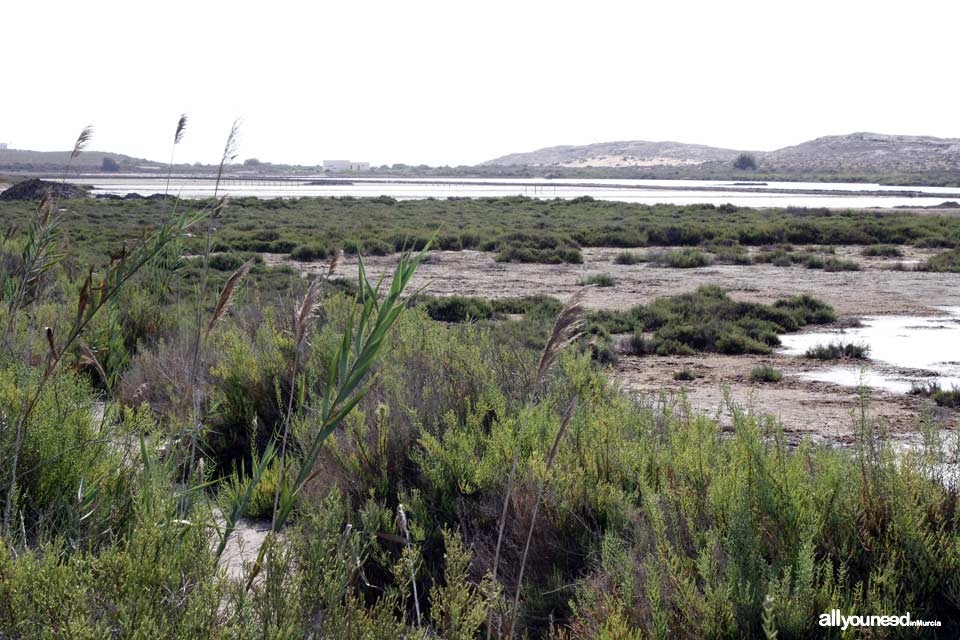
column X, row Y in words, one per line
column 868, row 153
column 865, row 153
column 636, row 153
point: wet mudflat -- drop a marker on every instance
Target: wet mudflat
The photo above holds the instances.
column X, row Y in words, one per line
column 889, row 298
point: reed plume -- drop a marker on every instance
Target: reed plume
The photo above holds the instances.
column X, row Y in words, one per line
column 82, row 140
column 181, row 127
column 334, row 263
column 566, row 329
column 302, row 314
column 177, row 138
column 227, row 295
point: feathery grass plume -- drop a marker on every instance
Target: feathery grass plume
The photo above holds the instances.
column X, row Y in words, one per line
column 229, row 289
column 220, row 207
column 334, row 263
column 566, row 329
column 82, row 140
column 306, row 310
column 181, row 128
column 177, row 137
column 302, row 314
column 89, row 358
column 229, row 153
column 36, row 258
column 564, row 423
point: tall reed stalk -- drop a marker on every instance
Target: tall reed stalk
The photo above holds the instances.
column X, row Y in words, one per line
column 194, row 398
column 566, row 329
column 96, row 292
column 347, row 380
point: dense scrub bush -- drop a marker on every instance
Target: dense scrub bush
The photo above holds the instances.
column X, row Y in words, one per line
column 708, row 320
column 457, row 308
column 309, row 253
column 945, row 261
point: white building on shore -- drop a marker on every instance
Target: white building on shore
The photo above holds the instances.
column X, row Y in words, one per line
column 345, row 165
column 3, row 146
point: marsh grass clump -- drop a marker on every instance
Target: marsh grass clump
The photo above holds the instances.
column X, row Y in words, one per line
column 838, row 351
column 683, row 258
column 598, row 280
column 766, row 373
column 686, row 375
column 628, row 258
column 949, row 398
column 882, row 251
column 730, row 254
column 838, row 264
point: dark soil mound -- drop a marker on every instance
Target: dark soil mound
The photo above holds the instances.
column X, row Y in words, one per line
column 34, row 189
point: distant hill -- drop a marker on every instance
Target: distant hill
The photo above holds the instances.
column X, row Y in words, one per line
column 23, row 160
column 863, row 153
column 637, row 153
column 868, row 153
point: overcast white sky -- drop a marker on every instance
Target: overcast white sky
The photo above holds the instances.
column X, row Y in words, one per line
column 457, row 83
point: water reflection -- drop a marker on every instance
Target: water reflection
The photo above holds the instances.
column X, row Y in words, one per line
column 904, row 350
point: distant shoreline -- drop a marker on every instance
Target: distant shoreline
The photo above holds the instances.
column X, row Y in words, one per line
column 906, row 192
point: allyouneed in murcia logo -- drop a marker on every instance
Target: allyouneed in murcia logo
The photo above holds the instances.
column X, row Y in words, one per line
column 836, row 619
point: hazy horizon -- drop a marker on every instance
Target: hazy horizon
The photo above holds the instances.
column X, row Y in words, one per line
column 427, row 83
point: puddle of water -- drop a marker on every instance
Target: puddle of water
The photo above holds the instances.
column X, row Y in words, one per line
column 922, row 350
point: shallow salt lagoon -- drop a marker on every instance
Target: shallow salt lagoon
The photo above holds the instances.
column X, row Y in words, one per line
column 903, row 350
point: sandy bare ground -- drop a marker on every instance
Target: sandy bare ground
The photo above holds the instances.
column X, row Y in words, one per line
column 805, row 408
column 873, row 291
column 243, row 546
